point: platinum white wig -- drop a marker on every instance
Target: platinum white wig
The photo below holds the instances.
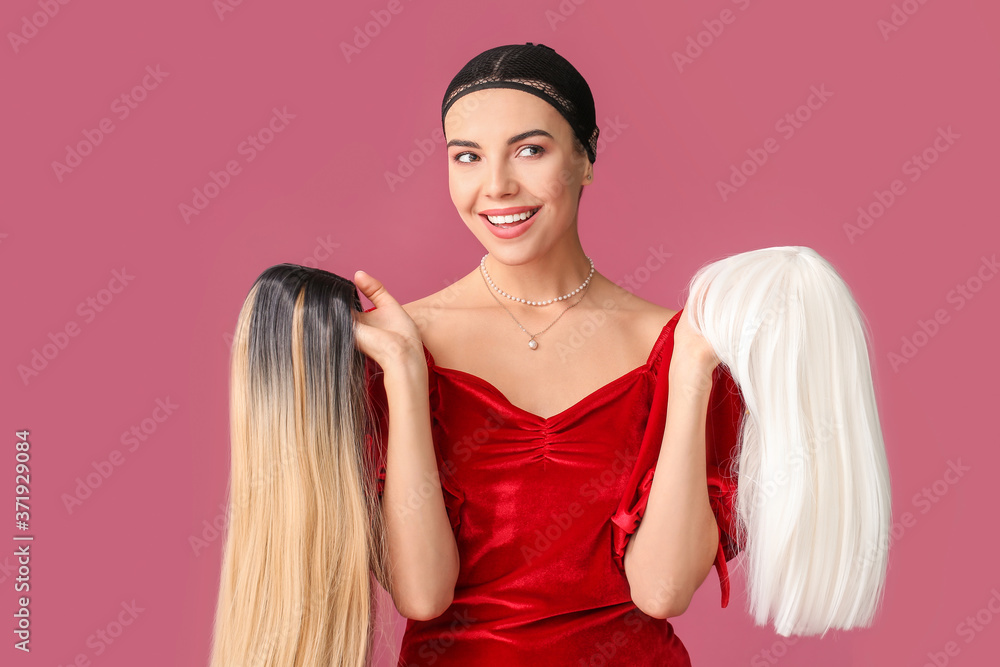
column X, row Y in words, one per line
column 813, row 481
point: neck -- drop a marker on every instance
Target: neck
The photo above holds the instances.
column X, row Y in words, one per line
column 558, row 272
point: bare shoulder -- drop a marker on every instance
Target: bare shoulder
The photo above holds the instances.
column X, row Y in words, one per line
column 443, row 307
column 634, row 310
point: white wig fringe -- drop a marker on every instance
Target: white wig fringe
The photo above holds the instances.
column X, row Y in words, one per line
column 813, row 486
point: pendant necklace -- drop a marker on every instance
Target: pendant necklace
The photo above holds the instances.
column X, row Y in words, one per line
column 532, row 343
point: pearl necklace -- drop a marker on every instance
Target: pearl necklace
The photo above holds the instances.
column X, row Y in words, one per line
column 532, row 343
column 583, row 285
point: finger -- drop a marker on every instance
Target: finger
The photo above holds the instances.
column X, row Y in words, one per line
column 377, row 344
column 372, row 288
column 362, row 336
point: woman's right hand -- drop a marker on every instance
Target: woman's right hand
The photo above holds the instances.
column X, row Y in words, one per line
column 423, row 561
column 387, row 334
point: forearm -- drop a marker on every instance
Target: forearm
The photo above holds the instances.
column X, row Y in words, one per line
column 673, row 549
column 423, row 555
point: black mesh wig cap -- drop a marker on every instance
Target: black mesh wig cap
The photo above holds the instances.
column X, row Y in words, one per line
column 535, row 69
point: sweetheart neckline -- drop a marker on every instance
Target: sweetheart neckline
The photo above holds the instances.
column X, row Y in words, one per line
column 657, row 345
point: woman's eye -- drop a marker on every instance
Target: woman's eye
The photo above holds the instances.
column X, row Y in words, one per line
column 468, row 157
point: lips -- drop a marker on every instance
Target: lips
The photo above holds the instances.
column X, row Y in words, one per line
column 520, row 220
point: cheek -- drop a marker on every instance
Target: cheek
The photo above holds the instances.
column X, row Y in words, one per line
column 458, row 189
column 463, row 196
column 558, row 182
column 559, row 190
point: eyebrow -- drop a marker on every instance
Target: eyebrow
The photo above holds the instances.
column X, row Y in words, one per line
column 513, row 140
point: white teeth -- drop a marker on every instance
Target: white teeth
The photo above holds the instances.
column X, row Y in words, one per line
column 507, row 219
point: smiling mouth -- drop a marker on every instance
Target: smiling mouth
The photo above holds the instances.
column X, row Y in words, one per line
column 505, row 220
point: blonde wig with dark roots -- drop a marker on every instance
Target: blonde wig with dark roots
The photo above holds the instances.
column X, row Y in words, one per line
column 305, row 537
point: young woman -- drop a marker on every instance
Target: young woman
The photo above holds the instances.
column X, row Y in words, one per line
column 524, row 410
column 554, row 481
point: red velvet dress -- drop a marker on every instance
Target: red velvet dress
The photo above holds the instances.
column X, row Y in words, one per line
column 542, row 510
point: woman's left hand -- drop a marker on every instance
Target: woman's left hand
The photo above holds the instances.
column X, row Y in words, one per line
column 693, row 359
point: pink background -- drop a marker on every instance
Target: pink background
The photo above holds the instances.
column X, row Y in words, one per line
column 318, row 194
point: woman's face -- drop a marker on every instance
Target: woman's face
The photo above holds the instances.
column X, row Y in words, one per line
column 511, row 153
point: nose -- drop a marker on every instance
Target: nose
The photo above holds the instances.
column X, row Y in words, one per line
column 500, row 180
